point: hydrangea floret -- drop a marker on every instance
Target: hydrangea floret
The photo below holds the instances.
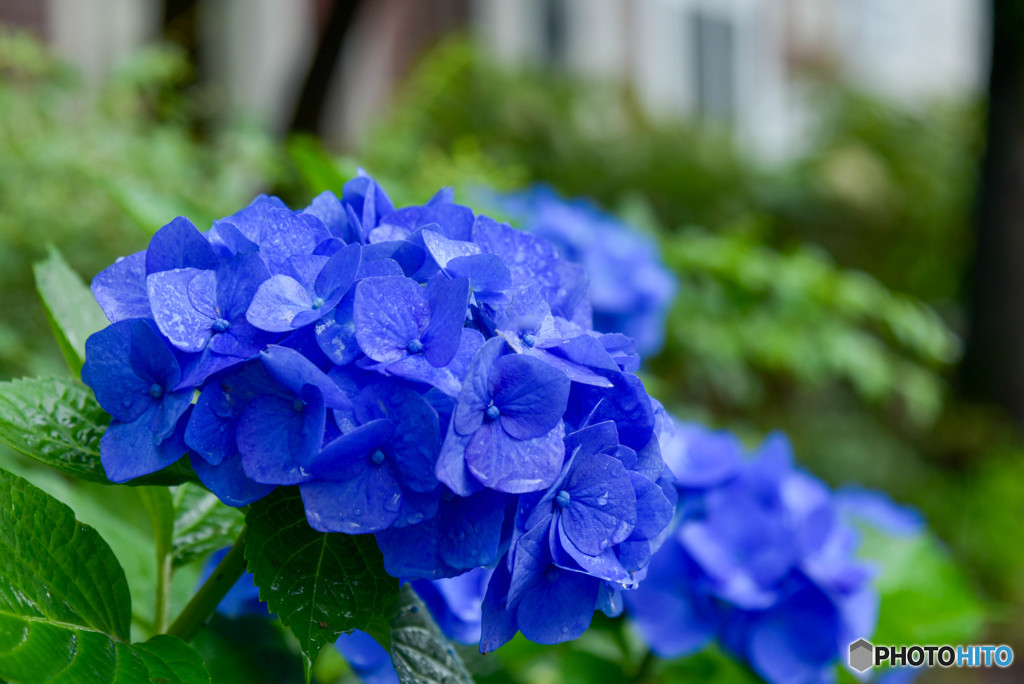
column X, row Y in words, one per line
column 760, row 550
column 424, row 374
column 631, row 289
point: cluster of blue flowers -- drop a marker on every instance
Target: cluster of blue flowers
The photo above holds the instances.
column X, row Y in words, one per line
column 425, row 374
column 762, row 558
column 631, row 290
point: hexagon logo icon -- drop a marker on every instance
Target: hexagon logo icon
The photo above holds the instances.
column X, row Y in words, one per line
column 861, row 655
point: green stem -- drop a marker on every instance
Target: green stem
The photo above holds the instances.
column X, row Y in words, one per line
column 164, row 573
column 209, row 596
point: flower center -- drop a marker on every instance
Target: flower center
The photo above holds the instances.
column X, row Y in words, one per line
column 492, row 412
column 156, row 391
column 317, row 303
column 298, row 405
column 563, row 498
column 378, row 457
column 415, row 347
column 221, row 324
column 529, row 340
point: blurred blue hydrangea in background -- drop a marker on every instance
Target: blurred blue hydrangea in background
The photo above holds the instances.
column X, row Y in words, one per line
column 631, row 289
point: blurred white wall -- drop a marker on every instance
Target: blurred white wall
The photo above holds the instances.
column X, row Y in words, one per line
column 259, row 52
column 739, row 62
column 95, row 35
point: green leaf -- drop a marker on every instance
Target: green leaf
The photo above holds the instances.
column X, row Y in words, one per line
column 202, row 524
column 419, row 651
column 171, row 660
column 925, row 597
column 70, row 307
column 65, row 610
column 316, row 167
column 58, row 423
column 320, row 585
column 248, row 650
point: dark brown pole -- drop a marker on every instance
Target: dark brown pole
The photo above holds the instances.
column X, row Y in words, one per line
column 993, row 365
column 310, row 106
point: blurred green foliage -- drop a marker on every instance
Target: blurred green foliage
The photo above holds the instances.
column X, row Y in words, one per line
column 83, row 168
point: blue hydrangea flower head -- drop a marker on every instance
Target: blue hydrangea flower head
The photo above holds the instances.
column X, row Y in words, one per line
column 422, row 373
column 761, row 557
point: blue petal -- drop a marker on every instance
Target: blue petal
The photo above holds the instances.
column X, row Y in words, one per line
column 119, row 390
column 451, row 467
column 249, row 221
column 328, row 208
column 364, row 504
column 699, row 457
column 129, row 450
column 627, row 403
column 277, row 302
column 295, row 371
column 284, row 234
column 448, row 300
column 602, row 509
column 416, row 439
column 531, row 395
column 237, row 282
column 447, row 379
column 179, row 244
column 475, row 395
column 498, row 622
column 411, row 551
column 338, row 273
column 184, row 326
column 120, row 289
column 444, row 250
column 272, row 441
column 229, row 482
column 345, row 458
column 336, row 333
column 796, row 640
column 604, row 565
column 515, row 466
column 559, row 607
column 368, row 659
column 653, row 510
column 150, row 357
column 470, row 529
column 389, row 313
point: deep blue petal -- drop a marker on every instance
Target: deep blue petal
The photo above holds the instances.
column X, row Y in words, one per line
column 129, row 450
column 364, row 504
column 531, row 395
column 601, row 509
column 515, row 466
column 271, row 440
column 229, row 482
column 179, row 244
column 447, row 379
column 448, row 300
column 470, row 529
column 277, row 302
column 346, row 457
column 389, row 313
column 120, row 289
column 184, row 326
column 559, row 607
column 119, row 390
column 475, row 395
